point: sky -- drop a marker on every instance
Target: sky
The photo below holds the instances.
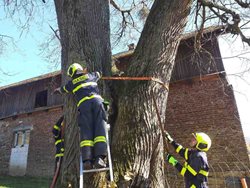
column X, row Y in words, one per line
column 236, row 60
column 24, row 60
column 21, row 56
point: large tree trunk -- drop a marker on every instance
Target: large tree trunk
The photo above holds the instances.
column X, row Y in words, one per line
column 85, row 38
column 137, row 142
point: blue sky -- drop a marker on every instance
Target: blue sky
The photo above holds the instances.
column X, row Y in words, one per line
column 24, row 61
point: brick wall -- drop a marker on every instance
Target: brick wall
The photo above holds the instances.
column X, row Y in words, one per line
column 208, row 106
column 6, row 140
column 41, row 152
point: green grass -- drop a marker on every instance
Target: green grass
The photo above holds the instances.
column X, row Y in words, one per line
column 24, row 182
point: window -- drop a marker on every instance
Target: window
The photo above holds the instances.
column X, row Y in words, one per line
column 27, row 137
column 232, row 182
column 21, row 138
column 41, row 99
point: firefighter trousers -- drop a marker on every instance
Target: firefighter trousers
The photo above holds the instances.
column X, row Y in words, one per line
column 92, row 129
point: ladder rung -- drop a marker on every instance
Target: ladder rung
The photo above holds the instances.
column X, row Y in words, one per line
column 95, row 170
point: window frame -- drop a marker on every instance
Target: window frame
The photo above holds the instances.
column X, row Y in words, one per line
column 24, row 131
column 41, row 99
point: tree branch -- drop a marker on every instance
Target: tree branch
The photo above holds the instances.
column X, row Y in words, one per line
column 6, row 36
column 232, row 25
column 243, row 4
column 115, row 5
column 127, row 18
column 244, row 38
column 198, row 36
column 55, row 32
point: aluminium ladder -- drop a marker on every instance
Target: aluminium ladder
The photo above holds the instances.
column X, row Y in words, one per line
column 109, row 168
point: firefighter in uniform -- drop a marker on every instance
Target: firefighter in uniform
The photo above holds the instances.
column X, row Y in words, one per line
column 195, row 168
column 92, row 115
column 57, row 132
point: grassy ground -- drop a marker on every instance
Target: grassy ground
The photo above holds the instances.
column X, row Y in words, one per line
column 24, row 182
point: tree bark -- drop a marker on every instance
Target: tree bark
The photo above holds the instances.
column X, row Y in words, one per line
column 85, row 39
column 137, row 144
column 137, row 141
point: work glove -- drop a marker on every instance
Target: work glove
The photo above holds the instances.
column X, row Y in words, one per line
column 168, row 137
column 106, row 105
column 171, row 160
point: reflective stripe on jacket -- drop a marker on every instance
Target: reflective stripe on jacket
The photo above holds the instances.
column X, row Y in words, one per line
column 83, row 86
column 195, row 169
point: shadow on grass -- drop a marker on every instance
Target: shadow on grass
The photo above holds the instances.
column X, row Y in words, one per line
column 24, row 182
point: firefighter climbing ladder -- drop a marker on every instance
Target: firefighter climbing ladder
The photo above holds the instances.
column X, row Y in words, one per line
column 109, row 168
column 107, row 128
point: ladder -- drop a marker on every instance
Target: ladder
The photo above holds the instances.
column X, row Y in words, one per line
column 109, row 168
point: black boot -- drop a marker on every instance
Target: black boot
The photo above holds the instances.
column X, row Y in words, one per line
column 87, row 165
column 99, row 162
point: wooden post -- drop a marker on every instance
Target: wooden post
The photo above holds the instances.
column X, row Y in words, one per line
column 243, row 183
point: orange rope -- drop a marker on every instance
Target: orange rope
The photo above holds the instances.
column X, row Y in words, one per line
column 138, row 78
column 154, row 100
column 127, row 78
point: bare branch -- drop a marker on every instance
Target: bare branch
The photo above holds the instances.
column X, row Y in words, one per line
column 228, row 17
column 198, row 36
column 115, row 5
column 237, row 55
column 5, row 36
column 245, row 24
column 55, row 32
column 219, row 7
column 243, row 4
column 7, row 73
column 126, row 14
column 244, row 38
column 239, row 75
column 5, row 41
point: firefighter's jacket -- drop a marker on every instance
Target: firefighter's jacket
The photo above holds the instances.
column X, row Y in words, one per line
column 83, row 86
column 57, row 132
column 195, row 168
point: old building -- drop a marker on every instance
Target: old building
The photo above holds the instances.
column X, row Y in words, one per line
column 200, row 99
column 28, row 112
